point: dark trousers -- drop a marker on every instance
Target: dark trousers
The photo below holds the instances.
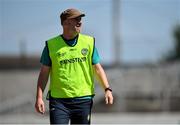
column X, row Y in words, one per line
column 73, row 111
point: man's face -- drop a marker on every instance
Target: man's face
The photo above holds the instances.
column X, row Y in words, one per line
column 74, row 24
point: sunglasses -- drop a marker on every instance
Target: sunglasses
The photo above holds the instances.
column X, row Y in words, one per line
column 78, row 19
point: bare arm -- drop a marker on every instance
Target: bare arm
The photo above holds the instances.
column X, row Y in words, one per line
column 42, row 81
column 101, row 75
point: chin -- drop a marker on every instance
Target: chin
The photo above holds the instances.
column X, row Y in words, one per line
column 78, row 31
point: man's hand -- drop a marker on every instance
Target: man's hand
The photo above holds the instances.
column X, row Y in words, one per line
column 42, row 81
column 108, row 97
column 39, row 105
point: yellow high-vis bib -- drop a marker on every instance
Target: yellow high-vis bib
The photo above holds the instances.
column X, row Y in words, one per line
column 71, row 73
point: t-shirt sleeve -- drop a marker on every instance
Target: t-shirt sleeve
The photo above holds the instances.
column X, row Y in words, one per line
column 45, row 58
column 95, row 56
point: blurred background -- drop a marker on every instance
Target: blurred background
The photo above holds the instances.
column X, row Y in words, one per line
column 138, row 42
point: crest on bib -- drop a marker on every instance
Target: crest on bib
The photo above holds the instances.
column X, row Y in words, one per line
column 84, row 51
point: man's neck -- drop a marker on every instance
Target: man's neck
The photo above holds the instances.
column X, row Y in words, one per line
column 69, row 36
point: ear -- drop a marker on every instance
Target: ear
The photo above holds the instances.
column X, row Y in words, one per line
column 66, row 22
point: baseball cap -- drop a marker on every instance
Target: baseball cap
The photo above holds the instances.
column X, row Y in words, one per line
column 70, row 14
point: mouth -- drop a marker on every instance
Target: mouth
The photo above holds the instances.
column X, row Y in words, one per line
column 79, row 24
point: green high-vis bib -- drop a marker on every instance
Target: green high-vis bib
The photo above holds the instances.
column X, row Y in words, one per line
column 71, row 73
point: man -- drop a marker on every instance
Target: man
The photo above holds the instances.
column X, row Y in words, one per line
column 70, row 59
